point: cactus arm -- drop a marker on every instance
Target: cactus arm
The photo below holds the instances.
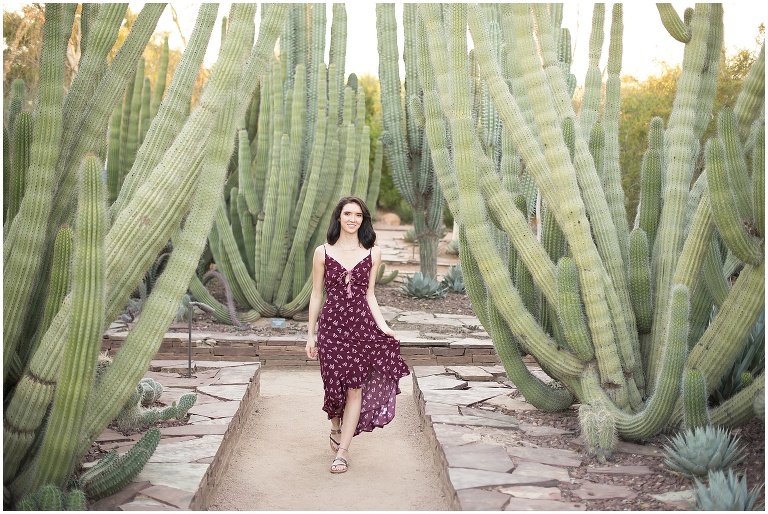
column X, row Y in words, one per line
column 374, row 183
column 640, row 280
column 128, row 152
column 679, row 142
column 758, row 180
column 146, row 97
column 712, row 274
column 58, row 286
column 58, row 453
column 614, row 194
column 724, row 338
column 709, row 74
column 28, row 229
column 173, row 110
column 696, row 413
column 593, row 80
column 735, row 164
column 360, row 187
column 392, row 118
column 672, row 22
column 236, row 227
column 101, row 38
column 22, row 140
column 338, row 50
column 162, row 79
column 248, row 234
column 650, row 194
column 738, row 408
column 570, row 311
column 724, row 209
column 752, row 95
column 113, row 155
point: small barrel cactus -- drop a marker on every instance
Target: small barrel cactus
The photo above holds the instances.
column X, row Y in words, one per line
column 423, row 286
column 152, row 390
column 725, row 492
column 50, row 497
column 599, row 430
column 702, row 449
column 453, row 280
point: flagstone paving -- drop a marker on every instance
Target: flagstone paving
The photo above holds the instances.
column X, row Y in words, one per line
column 487, row 463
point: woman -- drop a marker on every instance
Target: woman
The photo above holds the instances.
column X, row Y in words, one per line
column 359, row 354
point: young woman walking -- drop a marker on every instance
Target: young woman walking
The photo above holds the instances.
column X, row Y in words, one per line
column 360, row 361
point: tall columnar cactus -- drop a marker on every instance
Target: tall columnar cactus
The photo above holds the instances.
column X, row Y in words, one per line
column 406, row 147
column 54, row 409
column 622, row 310
column 278, row 209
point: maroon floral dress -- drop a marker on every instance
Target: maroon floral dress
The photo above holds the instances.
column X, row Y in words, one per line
column 353, row 350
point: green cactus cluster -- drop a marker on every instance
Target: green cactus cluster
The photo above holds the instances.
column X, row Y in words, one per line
column 50, row 497
column 62, row 287
column 303, row 144
column 617, row 312
column 382, row 278
column 697, row 451
column 453, row 280
column 422, row 286
column 725, row 492
column 409, row 152
column 114, row 471
column 136, row 415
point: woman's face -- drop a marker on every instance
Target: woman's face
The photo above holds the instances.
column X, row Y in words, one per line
column 351, row 218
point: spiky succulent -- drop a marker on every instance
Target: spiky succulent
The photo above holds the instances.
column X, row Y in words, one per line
column 697, row 451
column 423, row 286
column 725, row 492
column 381, row 278
column 453, row 280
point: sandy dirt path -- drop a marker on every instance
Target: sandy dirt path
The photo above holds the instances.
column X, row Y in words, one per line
column 283, row 459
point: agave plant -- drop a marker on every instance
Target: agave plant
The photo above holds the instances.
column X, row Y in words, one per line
column 423, row 286
column 453, row 280
column 695, row 452
column 725, row 492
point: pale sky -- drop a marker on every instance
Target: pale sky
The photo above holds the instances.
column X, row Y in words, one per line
column 646, row 42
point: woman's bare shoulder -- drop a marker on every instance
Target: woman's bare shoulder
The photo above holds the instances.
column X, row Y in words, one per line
column 320, row 252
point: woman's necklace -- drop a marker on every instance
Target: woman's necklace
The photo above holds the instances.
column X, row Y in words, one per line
column 350, row 249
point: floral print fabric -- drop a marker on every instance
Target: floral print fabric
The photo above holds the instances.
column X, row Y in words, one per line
column 353, row 351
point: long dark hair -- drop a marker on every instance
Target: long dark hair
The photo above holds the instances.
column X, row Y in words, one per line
column 365, row 234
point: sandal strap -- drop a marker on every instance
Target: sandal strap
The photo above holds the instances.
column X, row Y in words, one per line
column 336, row 432
column 341, row 459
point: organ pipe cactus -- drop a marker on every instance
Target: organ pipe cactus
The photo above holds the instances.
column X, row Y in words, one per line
column 55, row 408
column 407, row 150
column 263, row 240
column 631, row 316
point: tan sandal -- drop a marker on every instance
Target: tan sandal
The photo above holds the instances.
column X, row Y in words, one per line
column 333, row 442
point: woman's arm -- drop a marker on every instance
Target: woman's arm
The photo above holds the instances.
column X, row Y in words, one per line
column 315, row 299
column 371, row 297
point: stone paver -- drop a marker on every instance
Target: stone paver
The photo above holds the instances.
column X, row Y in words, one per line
column 489, row 457
column 475, row 373
column 517, row 504
column 225, row 391
column 433, row 408
column 463, row 478
column 512, row 404
column 442, row 382
column 474, row 421
column 467, row 397
column 425, row 371
column 169, row 496
column 171, row 474
column 448, row 435
column 216, row 410
column 553, row 474
column 498, row 416
column 592, row 491
column 542, row 431
column 679, row 499
column 552, row 456
column 480, row 499
column 533, row 492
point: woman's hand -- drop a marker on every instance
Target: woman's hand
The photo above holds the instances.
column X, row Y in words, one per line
column 311, row 349
column 390, row 332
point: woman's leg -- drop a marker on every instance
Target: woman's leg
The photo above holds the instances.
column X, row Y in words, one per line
column 335, row 433
column 348, row 425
